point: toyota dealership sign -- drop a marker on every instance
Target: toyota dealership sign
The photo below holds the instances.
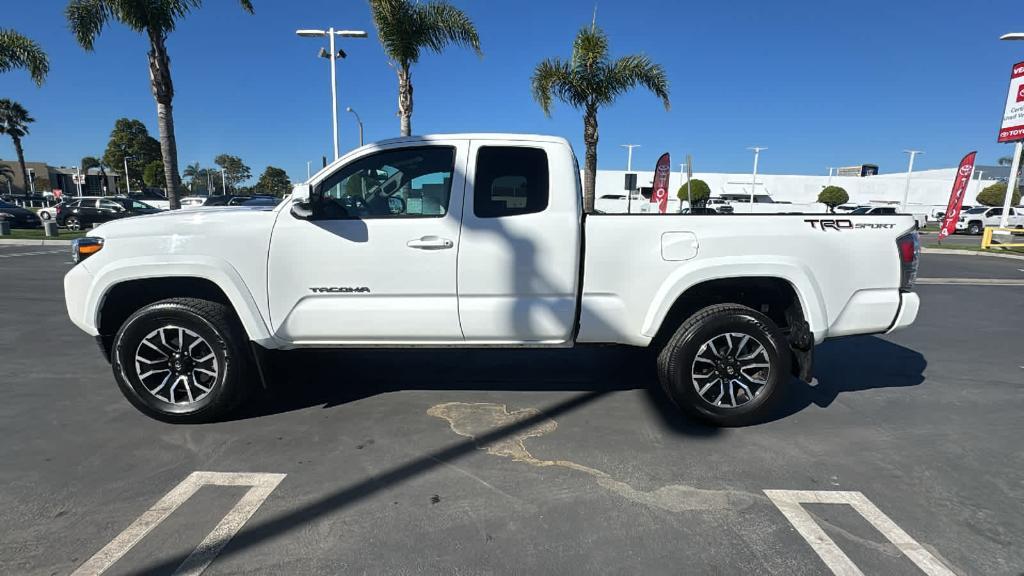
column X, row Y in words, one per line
column 1013, row 115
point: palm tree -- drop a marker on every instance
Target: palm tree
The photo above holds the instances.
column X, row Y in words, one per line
column 590, row 80
column 14, row 121
column 90, row 162
column 156, row 19
column 406, row 27
column 192, row 171
column 17, row 51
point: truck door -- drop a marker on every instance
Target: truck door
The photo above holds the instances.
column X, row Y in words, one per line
column 519, row 264
column 377, row 261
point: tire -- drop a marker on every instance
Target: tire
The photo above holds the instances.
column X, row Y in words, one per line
column 974, row 228
column 750, row 349
column 72, row 223
column 204, row 375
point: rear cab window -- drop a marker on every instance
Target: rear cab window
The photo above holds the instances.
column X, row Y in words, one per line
column 510, row 181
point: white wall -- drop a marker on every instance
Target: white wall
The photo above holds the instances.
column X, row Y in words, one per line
column 927, row 188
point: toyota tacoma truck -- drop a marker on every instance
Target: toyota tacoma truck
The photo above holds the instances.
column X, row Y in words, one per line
column 474, row 241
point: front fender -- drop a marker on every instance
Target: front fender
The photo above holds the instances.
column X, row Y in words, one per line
column 791, row 270
column 215, row 270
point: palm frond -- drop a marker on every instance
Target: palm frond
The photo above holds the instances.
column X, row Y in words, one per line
column 590, row 48
column 441, row 24
column 555, row 78
column 86, row 18
column 396, row 29
column 637, row 70
column 17, row 51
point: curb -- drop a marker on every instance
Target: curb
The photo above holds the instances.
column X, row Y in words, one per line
column 22, row 242
column 970, row 253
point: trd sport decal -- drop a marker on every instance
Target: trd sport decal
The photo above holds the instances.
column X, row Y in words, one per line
column 842, row 224
column 341, row 290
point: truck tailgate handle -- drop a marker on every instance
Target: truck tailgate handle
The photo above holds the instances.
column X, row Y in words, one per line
column 430, row 243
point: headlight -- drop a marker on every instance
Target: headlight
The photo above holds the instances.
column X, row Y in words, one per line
column 82, row 248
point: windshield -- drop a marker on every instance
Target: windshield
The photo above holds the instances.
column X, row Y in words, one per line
column 862, row 210
column 976, row 210
column 6, row 204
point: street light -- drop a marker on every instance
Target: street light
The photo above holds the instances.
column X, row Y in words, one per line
column 358, row 121
column 629, row 156
column 127, row 182
column 910, row 168
column 333, row 57
column 1018, row 146
column 753, row 184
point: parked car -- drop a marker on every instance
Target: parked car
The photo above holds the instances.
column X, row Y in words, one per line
column 84, row 212
column 262, row 201
column 396, row 246
column 18, row 217
column 193, row 201
column 231, row 199
column 920, row 220
column 152, row 197
column 699, row 211
column 975, row 220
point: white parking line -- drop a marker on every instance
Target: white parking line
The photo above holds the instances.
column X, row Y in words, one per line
column 203, row 555
column 789, row 503
column 33, row 253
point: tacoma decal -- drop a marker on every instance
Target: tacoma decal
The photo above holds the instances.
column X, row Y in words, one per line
column 340, row 290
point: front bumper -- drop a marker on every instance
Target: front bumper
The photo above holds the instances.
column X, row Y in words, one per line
column 77, row 284
column 905, row 316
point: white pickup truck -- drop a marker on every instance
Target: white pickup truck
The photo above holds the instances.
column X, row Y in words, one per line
column 479, row 240
column 974, row 220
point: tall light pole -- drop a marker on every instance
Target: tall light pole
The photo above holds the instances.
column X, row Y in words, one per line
column 753, row 184
column 910, row 168
column 333, row 57
column 358, row 121
column 977, row 189
column 830, row 169
column 127, row 181
column 224, row 180
column 629, row 156
column 78, row 181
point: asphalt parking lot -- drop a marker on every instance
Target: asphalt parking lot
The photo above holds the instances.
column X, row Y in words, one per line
column 905, row 454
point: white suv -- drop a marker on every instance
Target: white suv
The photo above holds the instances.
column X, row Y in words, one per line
column 975, row 220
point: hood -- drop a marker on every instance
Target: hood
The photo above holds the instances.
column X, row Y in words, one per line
column 210, row 222
column 17, row 211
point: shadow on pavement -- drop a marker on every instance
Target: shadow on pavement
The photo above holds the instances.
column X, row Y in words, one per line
column 853, row 365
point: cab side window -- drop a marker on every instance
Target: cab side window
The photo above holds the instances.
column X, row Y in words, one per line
column 510, row 181
column 403, row 183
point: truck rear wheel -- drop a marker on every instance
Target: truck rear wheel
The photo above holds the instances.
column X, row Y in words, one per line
column 727, row 364
column 181, row 360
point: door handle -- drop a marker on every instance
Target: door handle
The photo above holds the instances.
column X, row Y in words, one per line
column 430, row 243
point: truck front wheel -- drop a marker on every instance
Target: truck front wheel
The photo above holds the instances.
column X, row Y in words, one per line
column 181, row 360
column 726, row 365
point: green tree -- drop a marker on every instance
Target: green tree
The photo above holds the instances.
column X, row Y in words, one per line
column 235, row 171
column 698, row 194
column 131, row 139
column 1005, row 160
column 14, row 121
column 156, row 19
column 588, row 80
column 833, row 196
column 995, row 195
column 153, row 174
column 17, row 51
column 274, row 181
column 7, row 174
column 406, row 27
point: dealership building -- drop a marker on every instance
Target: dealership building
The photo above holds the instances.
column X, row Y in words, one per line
column 928, row 188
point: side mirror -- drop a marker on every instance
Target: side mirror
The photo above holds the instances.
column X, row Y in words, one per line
column 302, row 209
column 302, row 192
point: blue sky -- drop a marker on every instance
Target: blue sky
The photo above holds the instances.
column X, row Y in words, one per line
column 820, row 83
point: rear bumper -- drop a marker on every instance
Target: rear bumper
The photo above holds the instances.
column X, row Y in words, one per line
column 909, row 305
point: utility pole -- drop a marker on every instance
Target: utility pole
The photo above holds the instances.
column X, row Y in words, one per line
column 753, row 184
column 127, row 181
column 910, row 168
column 224, row 180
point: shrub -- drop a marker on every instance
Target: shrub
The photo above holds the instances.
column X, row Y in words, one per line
column 833, row 196
column 699, row 193
column 995, row 195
